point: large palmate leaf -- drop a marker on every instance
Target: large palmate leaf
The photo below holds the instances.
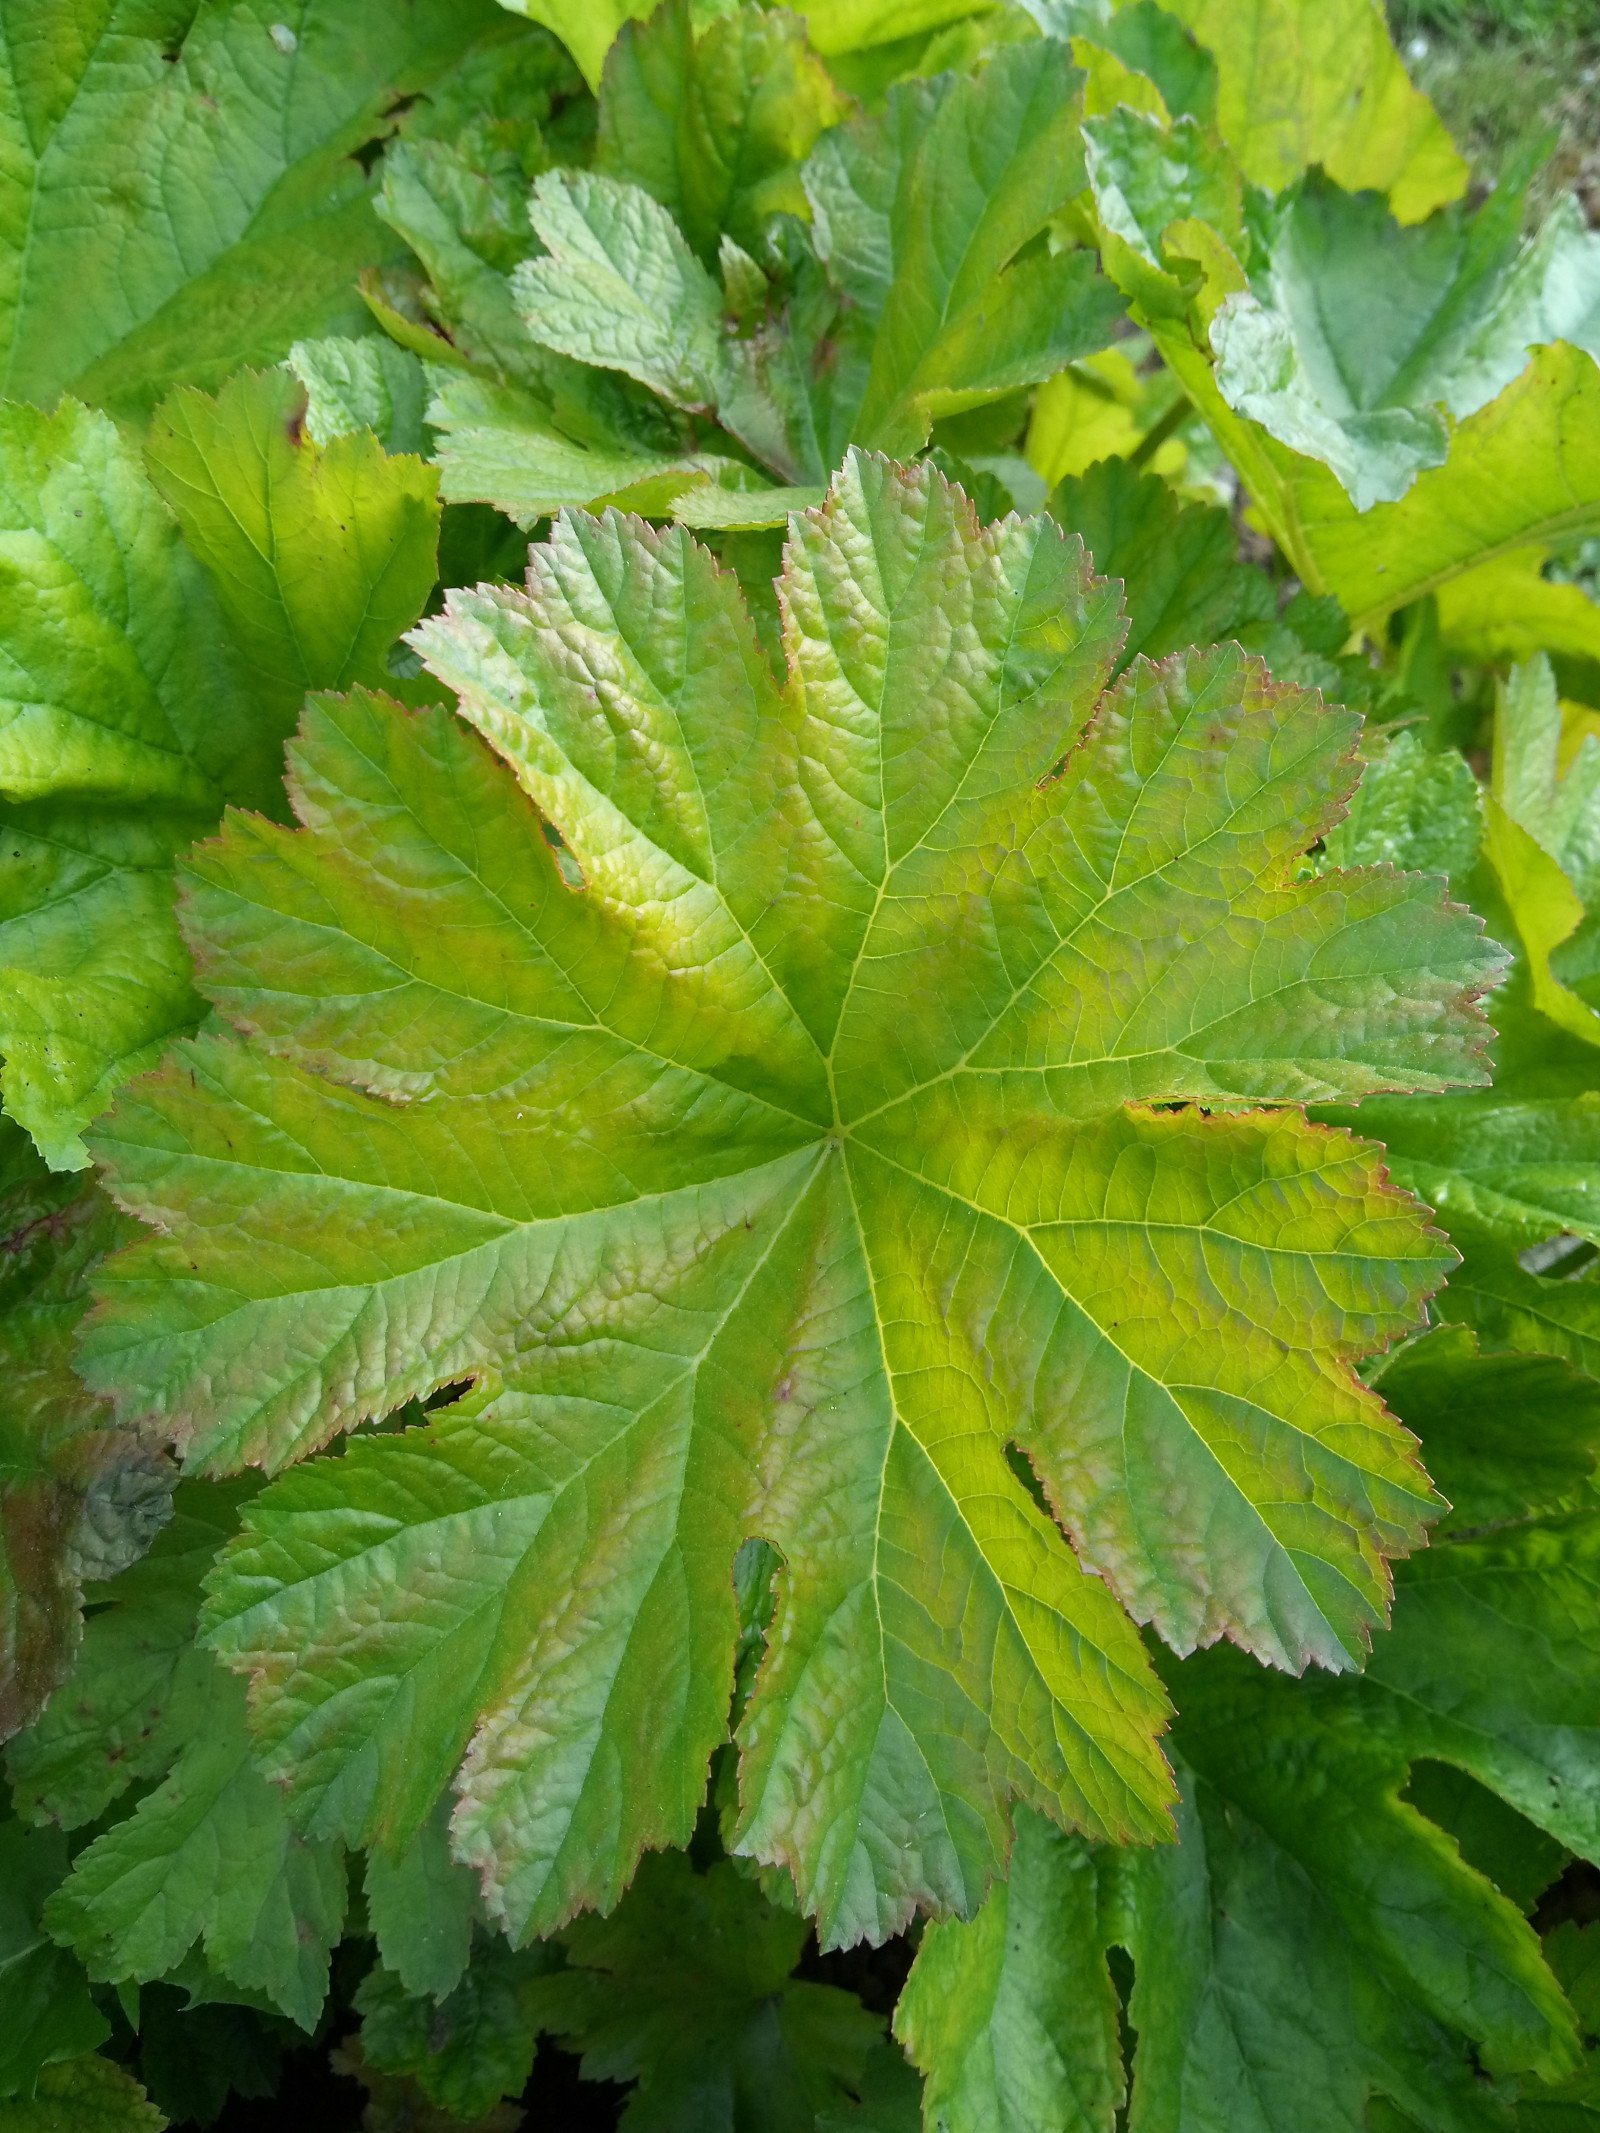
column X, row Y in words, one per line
column 145, row 680
column 778, row 1152
column 79, row 1498
column 181, row 189
column 1315, row 1939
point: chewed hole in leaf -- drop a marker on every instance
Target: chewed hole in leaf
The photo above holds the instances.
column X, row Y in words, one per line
column 1558, row 1258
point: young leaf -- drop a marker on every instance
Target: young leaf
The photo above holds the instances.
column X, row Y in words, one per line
column 688, row 1991
column 1413, row 808
column 617, row 286
column 502, row 447
column 371, row 384
column 715, row 127
column 522, row 426
column 834, row 1041
column 462, row 207
column 181, row 190
column 921, row 218
column 927, row 308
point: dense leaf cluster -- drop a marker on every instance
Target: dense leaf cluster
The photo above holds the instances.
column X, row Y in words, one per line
column 800, row 1039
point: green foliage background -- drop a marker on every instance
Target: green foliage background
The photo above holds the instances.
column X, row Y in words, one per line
column 800, row 1043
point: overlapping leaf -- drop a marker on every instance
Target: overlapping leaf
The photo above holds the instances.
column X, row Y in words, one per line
column 777, row 1153
column 914, row 303
column 86, row 2095
column 716, row 127
column 181, row 191
column 1314, row 1942
column 1324, row 85
column 1359, row 343
column 146, row 679
column 79, row 1498
column 472, row 2046
column 1014, row 2018
column 207, row 1856
column 50, row 2016
column 836, row 26
column 1359, row 387
column 688, row 1992
column 1512, row 1170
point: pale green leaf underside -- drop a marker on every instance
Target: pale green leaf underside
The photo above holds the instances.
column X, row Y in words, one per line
column 775, row 1182
column 1525, row 469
